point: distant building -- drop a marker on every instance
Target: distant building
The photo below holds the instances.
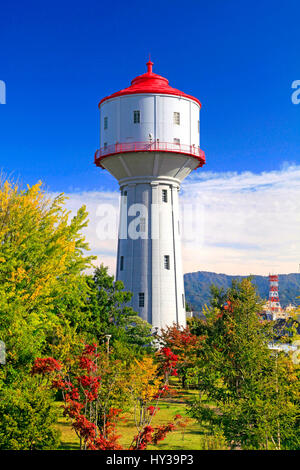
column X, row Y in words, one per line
column 199, row 315
column 270, row 314
column 290, row 309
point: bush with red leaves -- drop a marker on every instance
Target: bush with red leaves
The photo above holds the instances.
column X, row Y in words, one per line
column 45, row 366
column 80, row 395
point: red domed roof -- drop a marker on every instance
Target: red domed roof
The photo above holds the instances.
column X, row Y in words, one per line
column 150, row 83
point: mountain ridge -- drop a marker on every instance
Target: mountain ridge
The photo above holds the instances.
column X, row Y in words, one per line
column 197, row 287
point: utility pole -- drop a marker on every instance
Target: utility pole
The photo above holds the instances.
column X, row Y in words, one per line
column 107, row 345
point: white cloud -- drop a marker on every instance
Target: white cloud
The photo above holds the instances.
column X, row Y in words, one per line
column 249, row 223
column 105, row 250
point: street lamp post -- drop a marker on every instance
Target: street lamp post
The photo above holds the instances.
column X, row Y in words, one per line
column 107, row 344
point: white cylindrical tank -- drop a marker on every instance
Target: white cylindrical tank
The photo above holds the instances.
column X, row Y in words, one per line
column 145, row 118
column 149, row 141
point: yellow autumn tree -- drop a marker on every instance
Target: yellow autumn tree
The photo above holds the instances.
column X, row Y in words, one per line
column 145, row 381
column 42, row 258
column 145, row 387
column 42, row 255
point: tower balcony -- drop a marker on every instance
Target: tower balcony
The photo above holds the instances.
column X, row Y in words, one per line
column 169, row 147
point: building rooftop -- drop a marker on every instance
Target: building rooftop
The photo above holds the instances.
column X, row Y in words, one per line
column 150, row 82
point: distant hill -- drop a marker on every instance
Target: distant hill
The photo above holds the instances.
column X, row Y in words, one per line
column 197, row 287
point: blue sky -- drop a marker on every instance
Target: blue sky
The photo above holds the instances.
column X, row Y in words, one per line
column 58, row 59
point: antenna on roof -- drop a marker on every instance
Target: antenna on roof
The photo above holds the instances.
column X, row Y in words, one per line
column 149, row 65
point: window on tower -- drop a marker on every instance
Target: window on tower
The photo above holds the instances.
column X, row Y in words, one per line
column 121, row 263
column 176, row 118
column 176, row 141
column 142, row 224
column 167, row 262
column 105, row 123
column 183, row 300
column 141, row 299
column 105, row 145
column 136, row 117
column 165, row 195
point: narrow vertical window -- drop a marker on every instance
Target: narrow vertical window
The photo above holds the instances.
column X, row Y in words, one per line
column 105, row 122
column 198, row 127
column 142, row 224
column 167, row 262
column 136, row 117
column 141, row 299
column 183, row 300
column 165, row 195
column 121, row 263
column 176, row 141
column 176, row 118
column 105, row 145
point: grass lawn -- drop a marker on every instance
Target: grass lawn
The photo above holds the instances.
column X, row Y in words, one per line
column 195, row 437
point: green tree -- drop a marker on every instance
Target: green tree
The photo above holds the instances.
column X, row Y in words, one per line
column 105, row 312
column 254, row 392
column 42, row 256
column 41, row 259
column 186, row 346
column 27, row 416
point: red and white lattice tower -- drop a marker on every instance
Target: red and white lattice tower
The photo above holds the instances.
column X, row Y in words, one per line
column 274, row 304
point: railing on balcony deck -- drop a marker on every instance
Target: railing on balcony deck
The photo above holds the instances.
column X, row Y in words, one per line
column 191, row 150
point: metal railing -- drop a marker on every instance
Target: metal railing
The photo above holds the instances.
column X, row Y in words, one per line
column 156, row 146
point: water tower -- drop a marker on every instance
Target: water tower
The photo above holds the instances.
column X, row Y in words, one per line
column 149, row 141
